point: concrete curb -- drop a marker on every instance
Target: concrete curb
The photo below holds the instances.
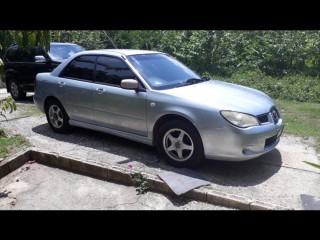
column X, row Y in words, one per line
column 122, row 175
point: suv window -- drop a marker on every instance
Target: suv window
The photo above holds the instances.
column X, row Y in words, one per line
column 112, row 70
column 80, row 68
column 16, row 54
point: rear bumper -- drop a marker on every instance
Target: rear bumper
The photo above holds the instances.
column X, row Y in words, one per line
column 27, row 87
column 38, row 102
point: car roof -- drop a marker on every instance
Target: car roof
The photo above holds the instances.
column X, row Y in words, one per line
column 118, row 52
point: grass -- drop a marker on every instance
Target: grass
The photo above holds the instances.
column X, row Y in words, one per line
column 301, row 118
column 9, row 145
column 30, row 110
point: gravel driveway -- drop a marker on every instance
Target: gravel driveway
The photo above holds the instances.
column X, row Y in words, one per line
column 279, row 177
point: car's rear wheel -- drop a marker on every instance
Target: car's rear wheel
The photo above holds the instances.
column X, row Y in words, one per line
column 57, row 117
column 180, row 144
column 16, row 91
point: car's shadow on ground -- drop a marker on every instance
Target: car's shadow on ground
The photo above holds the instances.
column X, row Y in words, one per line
column 242, row 174
column 27, row 100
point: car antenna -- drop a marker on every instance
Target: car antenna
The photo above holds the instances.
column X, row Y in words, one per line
column 110, row 39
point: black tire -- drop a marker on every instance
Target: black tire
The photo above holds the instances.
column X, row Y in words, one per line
column 57, row 117
column 184, row 152
column 16, row 91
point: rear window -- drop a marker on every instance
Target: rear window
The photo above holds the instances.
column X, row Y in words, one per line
column 17, row 54
column 80, row 68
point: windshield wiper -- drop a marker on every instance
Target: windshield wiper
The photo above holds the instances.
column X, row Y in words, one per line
column 191, row 81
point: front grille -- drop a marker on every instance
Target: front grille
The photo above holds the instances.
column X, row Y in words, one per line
column 263, row 118
column 270, row 141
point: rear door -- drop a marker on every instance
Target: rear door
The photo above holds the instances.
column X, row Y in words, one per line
column 75, row 83
column 114, row 107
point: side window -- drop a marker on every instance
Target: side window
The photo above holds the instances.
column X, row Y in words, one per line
column 80, row 68
column 11, row 56
column 112, row 70
column 16, row 54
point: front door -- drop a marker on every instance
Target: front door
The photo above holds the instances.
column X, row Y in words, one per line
column 114, row 107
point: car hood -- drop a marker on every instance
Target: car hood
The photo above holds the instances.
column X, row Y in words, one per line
column 224, row 96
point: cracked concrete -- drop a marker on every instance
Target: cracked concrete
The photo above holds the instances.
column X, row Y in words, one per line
column 45, row 188
column 279, row 177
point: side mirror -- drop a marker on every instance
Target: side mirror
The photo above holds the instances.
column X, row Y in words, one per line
column 40, row 58
column 130, row 84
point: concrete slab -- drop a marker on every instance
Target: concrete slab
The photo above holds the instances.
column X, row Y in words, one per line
column 44, row 188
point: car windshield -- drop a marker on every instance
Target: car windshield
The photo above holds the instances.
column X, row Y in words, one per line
column 162, row 71
column 62, row 52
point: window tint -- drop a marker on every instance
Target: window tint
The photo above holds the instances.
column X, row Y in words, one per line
column 16, row 54
column 112, row 70
column 81, row 68
column 11, row 54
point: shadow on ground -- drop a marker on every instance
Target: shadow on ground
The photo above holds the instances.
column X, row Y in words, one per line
column 244, row 174
column 27, row 100
column 247, row 173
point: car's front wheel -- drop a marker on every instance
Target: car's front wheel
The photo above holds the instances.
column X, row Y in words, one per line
column 180, row 144
column 16, row 91
column 57, row 117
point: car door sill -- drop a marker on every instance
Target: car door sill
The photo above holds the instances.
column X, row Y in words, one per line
column 130, row 136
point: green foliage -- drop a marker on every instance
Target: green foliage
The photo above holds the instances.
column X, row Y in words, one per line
column 32, row 38
column 221, row 53
column 295, row 88
column 1, row 70
column 284, row 64
column 5, row 104
column 7, row 144
column 301, row 119
column 87, row 39
column 25, row 39
column 312, row 164
column 140, row 182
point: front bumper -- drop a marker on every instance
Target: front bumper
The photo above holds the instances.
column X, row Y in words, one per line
column 237, row 144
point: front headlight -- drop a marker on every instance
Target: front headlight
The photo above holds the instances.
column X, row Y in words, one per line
column 240, row 119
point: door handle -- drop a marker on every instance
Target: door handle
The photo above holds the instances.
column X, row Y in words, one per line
column 99, row 90
column 61, row 84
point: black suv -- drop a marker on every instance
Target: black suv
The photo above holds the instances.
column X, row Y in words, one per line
column 22, row 66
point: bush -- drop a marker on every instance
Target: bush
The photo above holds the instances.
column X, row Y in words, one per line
column 7, row 104
column 295, row 88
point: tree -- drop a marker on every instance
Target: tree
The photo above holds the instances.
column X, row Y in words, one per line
column 24, row 38
column 87, row 39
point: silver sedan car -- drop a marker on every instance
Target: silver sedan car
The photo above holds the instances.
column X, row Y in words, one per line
column 152, row 98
